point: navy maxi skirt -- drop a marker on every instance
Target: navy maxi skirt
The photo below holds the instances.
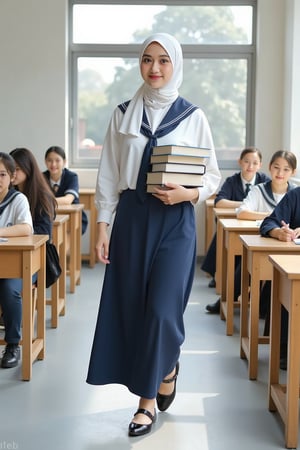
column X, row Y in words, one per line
column 145, row 291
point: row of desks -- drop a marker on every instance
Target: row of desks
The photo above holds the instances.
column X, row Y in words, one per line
column 87, row 198
column 256, row 267
column 74, row 229
column 22, row 257
column 284, row 398
column 236, row 237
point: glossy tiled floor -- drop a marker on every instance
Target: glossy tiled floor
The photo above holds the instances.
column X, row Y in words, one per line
column 216, row 408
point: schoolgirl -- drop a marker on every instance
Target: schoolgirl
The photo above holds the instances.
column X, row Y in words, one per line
column 15, row 220
column 263, row 198
column 260, row 203
column 30, row 180
column 233, row 191
column 63, row 182
column 150, row 257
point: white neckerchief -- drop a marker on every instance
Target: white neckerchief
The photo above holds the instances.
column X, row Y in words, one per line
column 154, row 98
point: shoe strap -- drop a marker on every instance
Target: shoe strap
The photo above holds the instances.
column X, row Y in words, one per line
column 146, row 412
column 170, row 380
column 174, row 377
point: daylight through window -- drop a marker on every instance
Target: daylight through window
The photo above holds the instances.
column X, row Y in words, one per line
column 218, row 44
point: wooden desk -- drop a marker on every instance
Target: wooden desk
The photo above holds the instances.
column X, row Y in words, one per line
column 210, row 226
column 255, row 262
column 286, row 292
column 74, row 228
column 22, row 257
column 220, row 213
column 232, row 247
column 87, row 198
column 58, row 289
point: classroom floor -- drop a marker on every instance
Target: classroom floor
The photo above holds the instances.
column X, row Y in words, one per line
column 216, row 407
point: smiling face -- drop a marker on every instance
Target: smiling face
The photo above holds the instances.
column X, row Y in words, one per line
column 156, row 66
column 281, row 172
column 55, row 164
column 250, row 164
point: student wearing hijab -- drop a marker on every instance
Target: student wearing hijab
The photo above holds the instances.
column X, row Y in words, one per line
column 150, row 256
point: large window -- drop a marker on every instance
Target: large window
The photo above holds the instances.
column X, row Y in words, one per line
column 218, row 41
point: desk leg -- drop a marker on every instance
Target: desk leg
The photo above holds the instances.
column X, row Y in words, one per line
column 219, row 244
column 63, row 276
column 27, row 332
column 73, row 256
column 39, row 342
column 292, row 392
column 223, row 279
column 78, row 252
column 54, row 304
column 230, row 292
column 58, row 289
column 244, row 303
column 275, row 318
column 254, row 319
column 93, row 220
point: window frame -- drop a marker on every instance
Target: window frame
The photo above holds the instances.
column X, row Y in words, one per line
column 207, row 51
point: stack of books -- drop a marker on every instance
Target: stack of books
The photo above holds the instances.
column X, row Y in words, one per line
column 177, row 164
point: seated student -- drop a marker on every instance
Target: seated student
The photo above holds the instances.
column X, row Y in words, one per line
column 284, row 224
column 15, row 220
column 231, row 194
column 62, row 181
column 30, row 180
column 262, row 200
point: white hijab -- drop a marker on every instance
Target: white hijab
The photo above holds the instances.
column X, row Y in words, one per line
column 155, row 98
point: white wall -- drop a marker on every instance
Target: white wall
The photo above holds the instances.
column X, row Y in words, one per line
column 33, row 79
column 33, row 74
column 269, row 77
column 291, row 129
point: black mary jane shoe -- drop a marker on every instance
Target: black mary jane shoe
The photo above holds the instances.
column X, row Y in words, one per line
column 139, row 429
column 164, row 401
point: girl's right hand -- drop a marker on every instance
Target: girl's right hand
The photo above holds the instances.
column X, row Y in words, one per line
column 286, row 233
column 102, row 244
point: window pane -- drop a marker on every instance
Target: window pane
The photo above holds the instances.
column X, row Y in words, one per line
column 218, row 86
column 104, row 24
column 103, row 83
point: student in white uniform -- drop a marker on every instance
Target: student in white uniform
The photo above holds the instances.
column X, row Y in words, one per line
column 15, row 220
column 261, row 201
column 263, row 197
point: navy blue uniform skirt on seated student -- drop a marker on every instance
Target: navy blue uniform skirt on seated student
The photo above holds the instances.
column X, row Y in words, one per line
column 145, row 291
